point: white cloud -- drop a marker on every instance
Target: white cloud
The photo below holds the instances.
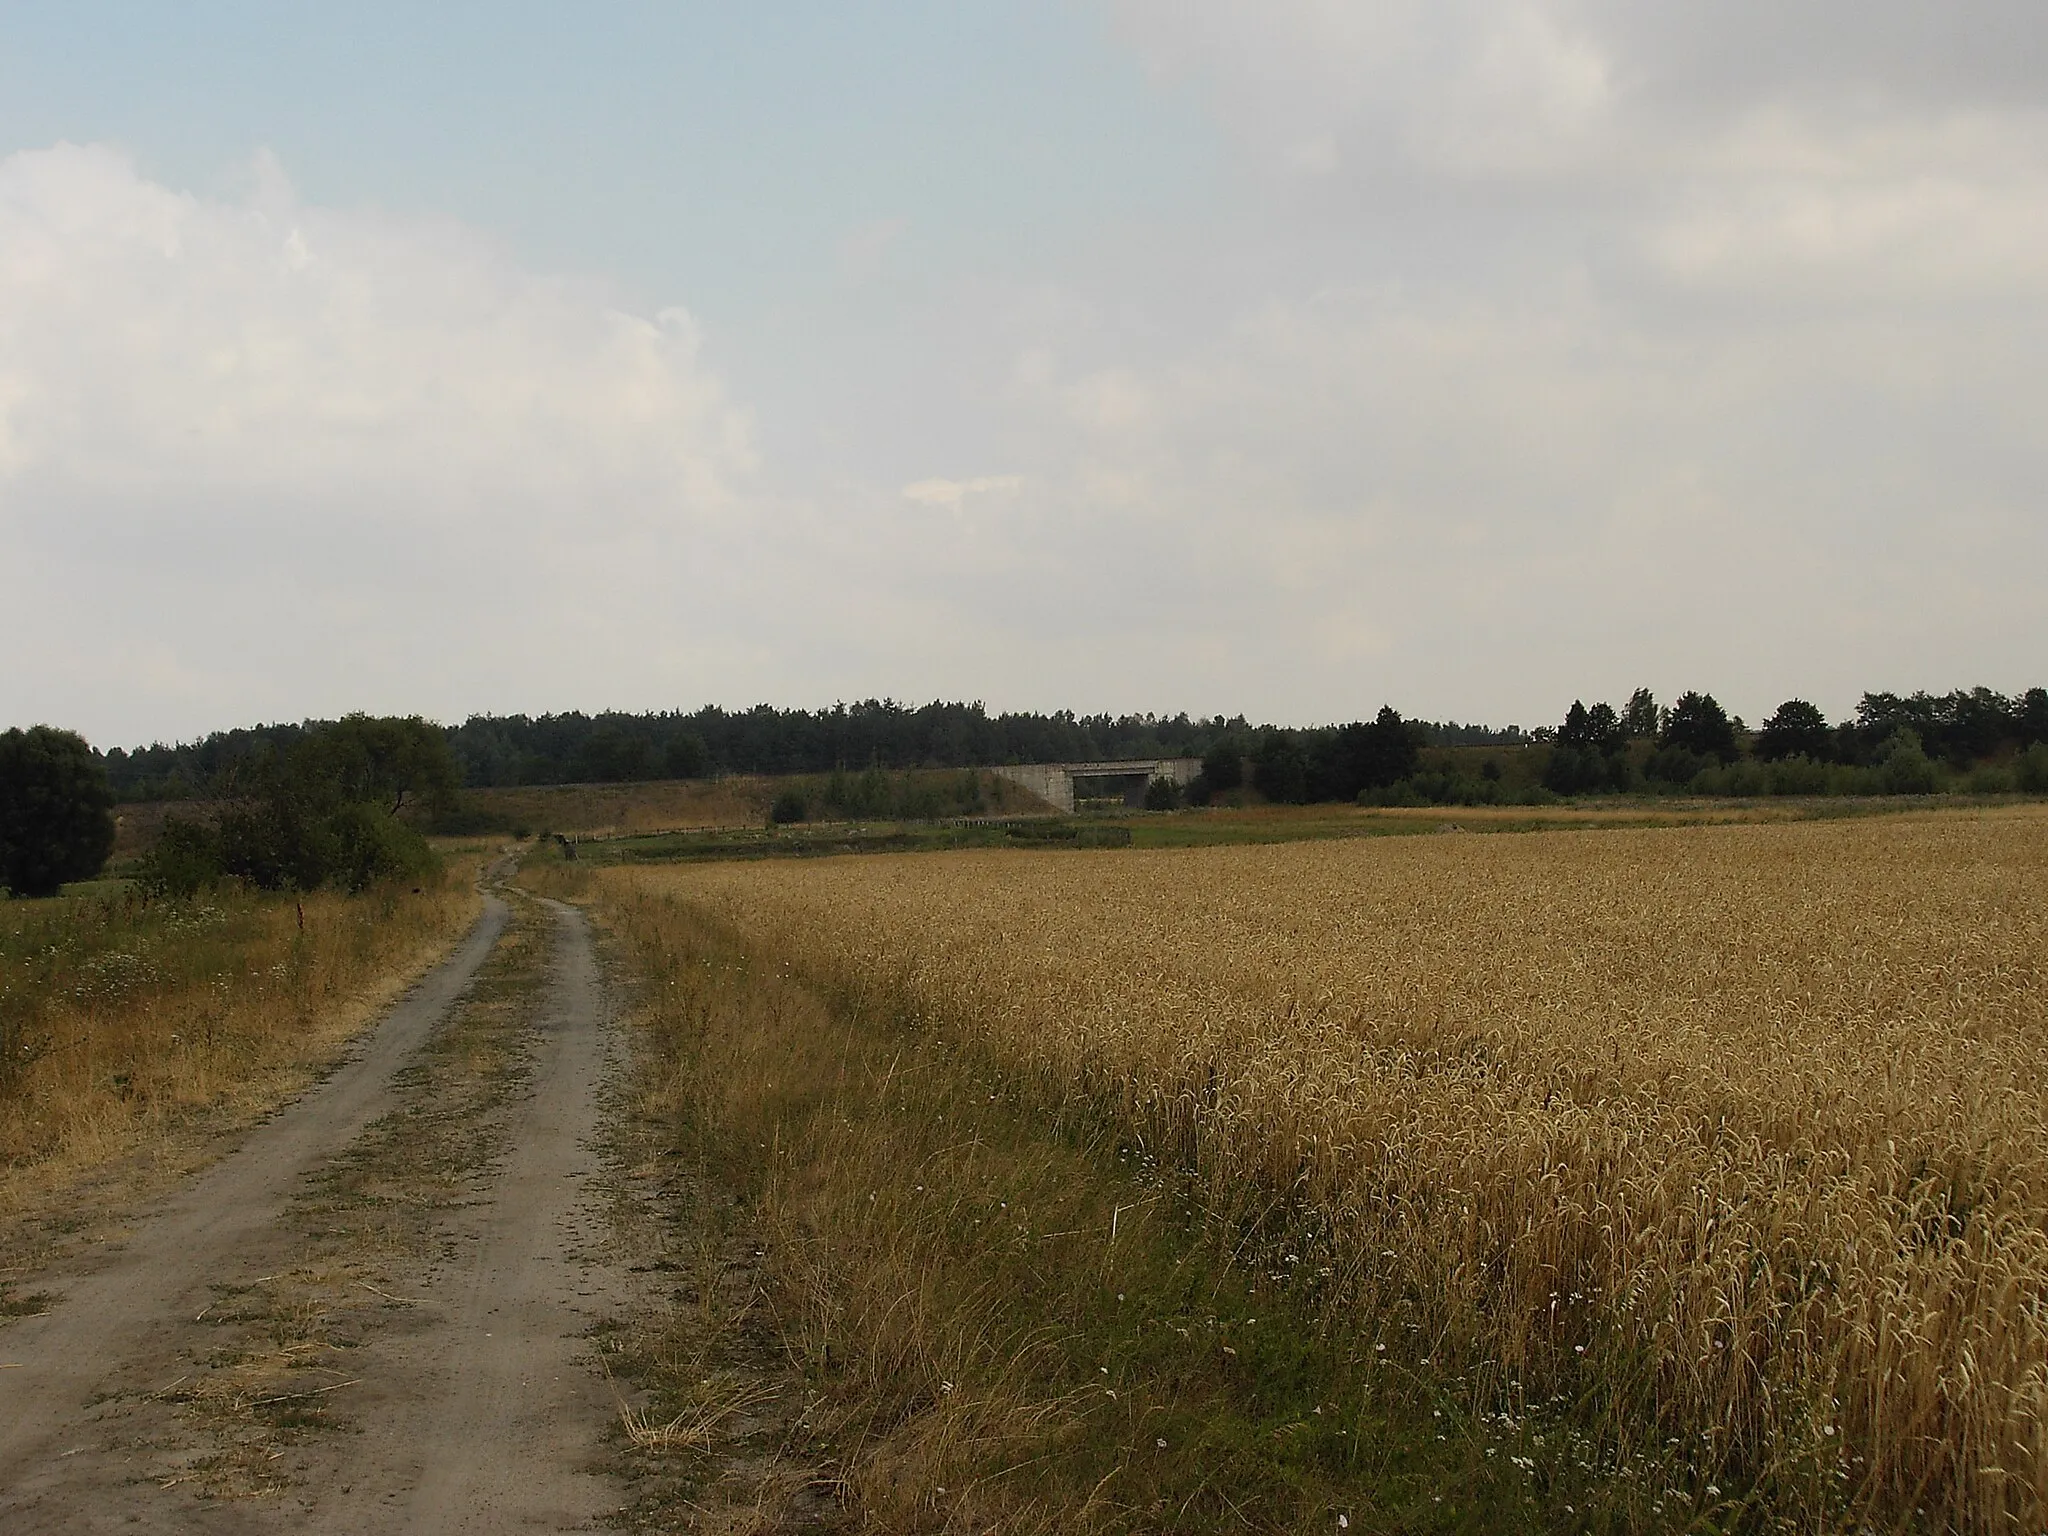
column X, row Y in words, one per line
column 954, row 493
column 312, row 445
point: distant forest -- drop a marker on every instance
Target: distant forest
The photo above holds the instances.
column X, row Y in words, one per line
column 576, row 748
column 1973, row 738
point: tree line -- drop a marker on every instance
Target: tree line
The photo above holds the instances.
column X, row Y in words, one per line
column 613, row 747
column 338, row 803
column 1974, row 739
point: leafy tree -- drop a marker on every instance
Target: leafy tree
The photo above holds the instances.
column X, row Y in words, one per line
column 1223, row 765
column 1598, row 728
column 1364, row 756
column 376, row 759
column 1697, row 724
column 1577, row 730
column 1280, row 772
column 56, row 812
column 320, row 808
column 1797, row 729
column 2033, row 715
column 687, row 757
column 611, row 756
column 1639, row 720
column 789, row 807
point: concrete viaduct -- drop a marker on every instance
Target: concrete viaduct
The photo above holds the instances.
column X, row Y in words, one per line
column 1060, row 784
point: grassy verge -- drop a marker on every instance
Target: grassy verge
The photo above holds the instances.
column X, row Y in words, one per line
column 133, row 1032
column 989, row 1310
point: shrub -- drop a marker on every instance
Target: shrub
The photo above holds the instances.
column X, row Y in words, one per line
column 1904, row 769
column 1586, row 770
column 185, row 860
column 1797, row 776
column 789, row 807
column 371, row 846
column 2030, row 769
column 1676, row 765
column 1162, row 794
column 1991, row 779
column 56, row 812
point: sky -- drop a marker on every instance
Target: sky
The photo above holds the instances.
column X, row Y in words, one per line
column 1284, row 358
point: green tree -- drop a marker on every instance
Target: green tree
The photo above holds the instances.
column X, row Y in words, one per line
column 1698, row 725
column 1280, row 772
column 388, row 758
column 1223, row 765
column 687, row 757
column 2032, row 710
column 320, row 809
column 1797, row 729
column 1363, row 756
column 1639, row 720
column 56, row 812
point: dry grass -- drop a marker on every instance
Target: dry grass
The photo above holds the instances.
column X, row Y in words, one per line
column 1734, row 1136
column 615, row 810
column 132, row 1028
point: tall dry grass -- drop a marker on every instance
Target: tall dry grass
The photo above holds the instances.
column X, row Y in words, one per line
column 1731, row 1136
column 125, row 1024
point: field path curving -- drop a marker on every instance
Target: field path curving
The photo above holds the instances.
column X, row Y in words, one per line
column 475, row 1404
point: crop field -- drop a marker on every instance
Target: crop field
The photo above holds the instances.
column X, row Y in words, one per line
column 1730, row 1143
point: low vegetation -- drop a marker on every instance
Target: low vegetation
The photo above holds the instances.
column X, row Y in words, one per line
column 1696, row 1172
column 126, row 1020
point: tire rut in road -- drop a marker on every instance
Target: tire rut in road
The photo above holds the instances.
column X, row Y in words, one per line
column 491, row 1414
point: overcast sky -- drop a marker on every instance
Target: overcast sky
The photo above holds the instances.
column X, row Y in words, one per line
column 1277, row 356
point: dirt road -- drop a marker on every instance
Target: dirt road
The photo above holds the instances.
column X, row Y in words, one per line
column 376, row 1314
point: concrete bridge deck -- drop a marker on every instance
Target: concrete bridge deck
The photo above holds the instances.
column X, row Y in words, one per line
column 1061, row 784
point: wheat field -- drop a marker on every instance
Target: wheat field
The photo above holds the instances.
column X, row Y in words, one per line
column 1732, row 1136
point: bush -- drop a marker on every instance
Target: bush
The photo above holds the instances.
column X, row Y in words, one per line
column 1676, row 765
column 371, row 846
column 2030, row 769
column 1797, row 776
column 1903, row 769
column 1585, row 770
column 789, row 807
column 185, row 860
column 1162, row 794
column 1991, row 779
column 1741, row 779
column 56, row 812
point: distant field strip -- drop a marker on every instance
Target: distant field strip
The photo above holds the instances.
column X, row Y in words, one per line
column 1730, row 1135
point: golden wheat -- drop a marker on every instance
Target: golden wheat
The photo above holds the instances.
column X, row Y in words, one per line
column 1742, row 1126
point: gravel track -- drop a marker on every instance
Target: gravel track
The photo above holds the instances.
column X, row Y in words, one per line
column 484, row 1409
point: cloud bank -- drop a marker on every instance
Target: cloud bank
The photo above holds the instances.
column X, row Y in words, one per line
column 264, row 459
column 1523, row 349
